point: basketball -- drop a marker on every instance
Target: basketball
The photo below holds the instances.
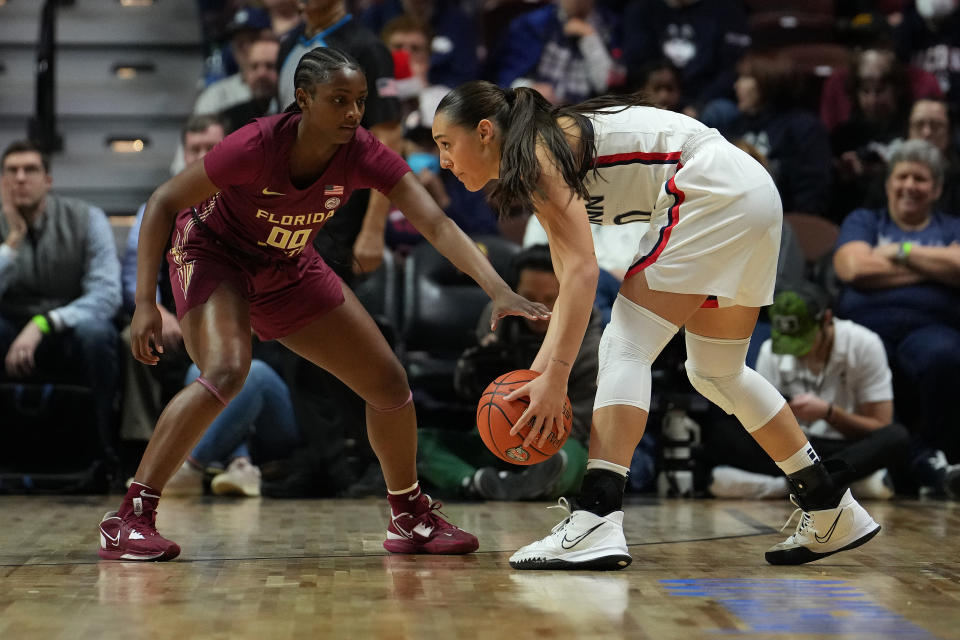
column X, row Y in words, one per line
column 496, row 416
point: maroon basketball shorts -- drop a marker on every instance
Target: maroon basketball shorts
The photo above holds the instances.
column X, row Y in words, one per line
column 284, row 296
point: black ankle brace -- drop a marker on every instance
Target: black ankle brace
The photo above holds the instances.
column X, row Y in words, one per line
column 601, row 492
column 820, row 486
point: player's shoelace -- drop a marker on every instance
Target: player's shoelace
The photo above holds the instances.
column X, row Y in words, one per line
column 437, row 521
column 564, row 504
column 145, row 525
column 805, row 519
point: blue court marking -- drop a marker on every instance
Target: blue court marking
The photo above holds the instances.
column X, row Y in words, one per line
column 823, row 607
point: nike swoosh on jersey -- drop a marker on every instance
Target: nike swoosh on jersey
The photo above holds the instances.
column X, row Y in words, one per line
column 578, row 539
column 267, row 192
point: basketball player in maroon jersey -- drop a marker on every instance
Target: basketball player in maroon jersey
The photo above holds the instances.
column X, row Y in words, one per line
column 244, row 259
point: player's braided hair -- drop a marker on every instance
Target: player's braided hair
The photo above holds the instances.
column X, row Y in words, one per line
column 317, row 66
column 525, row 117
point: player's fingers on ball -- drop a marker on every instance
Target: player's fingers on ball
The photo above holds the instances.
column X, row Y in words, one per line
column 520, row 392
column 548, row 428
column 519, row 424
column 535, row 426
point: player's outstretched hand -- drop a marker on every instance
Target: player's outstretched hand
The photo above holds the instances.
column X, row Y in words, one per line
column 146, row 328
column 510, row 303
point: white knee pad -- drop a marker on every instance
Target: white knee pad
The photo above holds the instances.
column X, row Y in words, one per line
column 630, row 343
column 717, row 369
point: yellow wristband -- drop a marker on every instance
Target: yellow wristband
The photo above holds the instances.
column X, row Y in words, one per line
column 42, row 323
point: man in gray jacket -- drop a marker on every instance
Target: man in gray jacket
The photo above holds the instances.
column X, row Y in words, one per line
column 59, row 285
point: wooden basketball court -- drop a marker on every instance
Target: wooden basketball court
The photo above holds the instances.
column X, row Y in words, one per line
column 315, row 569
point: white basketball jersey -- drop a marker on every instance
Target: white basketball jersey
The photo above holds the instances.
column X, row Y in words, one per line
column 638, row 150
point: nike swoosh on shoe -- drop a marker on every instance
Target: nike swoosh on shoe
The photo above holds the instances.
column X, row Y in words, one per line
column 578, row 539
column 830, row 531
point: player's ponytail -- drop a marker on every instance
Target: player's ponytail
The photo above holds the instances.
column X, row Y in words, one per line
column 523, row 117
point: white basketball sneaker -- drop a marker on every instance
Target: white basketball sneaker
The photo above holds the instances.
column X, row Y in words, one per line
column 583, row 540
column 824, row 532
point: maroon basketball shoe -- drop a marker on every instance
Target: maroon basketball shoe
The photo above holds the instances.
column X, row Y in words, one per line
column 416, row 527
column 131, row 533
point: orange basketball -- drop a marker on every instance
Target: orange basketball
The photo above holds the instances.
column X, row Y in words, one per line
column 496, row 416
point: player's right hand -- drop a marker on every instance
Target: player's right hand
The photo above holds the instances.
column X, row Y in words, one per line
column 146, row 329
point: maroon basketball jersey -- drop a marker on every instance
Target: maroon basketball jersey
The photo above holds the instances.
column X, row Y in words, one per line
column 258, row 210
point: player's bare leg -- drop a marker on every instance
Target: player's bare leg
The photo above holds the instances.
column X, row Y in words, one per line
column 217, row 337
column 347, row 343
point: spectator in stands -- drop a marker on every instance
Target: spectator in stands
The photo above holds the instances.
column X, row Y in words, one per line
column 835, row 376
column 793, row 141
column 930, row 121
column 284, row 16
column 254, row 86
column 861, row 146
column 246, row 25
column 251, row 93
column 564, row 50
column 929, row 37
column 59, row 286
column 836, row 102
column 408, row 40
column 453, row 459
column 259, row 74
column 703, row 39
column 148, row 389
column 660, row 81
column 453, row 43
column 901, row 270
column 362, row 220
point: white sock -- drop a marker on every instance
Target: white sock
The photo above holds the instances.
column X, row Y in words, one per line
column 403, row 491
column 803, row 458
column 597, row 463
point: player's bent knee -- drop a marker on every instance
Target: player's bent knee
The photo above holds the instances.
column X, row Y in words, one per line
column 630, row 344
column 717, row 369
column 393, row 407
column 225, row 380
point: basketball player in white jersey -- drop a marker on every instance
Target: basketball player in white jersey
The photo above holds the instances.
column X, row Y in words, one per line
column 707, row 263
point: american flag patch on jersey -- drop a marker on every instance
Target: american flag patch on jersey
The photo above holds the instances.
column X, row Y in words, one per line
column 333, row 190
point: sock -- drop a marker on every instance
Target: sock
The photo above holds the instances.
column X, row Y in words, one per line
column 597, row 463
column 602, row 491
column 140, row 499
column 803, row 458
column 404, row 491
column 405, row 501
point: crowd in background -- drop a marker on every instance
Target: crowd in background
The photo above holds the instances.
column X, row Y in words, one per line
column 853, row 119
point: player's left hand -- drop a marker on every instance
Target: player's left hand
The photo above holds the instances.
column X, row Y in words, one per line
column 545, row 413
column 808, row 407
column 510, row 303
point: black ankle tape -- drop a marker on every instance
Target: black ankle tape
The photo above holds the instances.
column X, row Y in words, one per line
column 601, row 492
